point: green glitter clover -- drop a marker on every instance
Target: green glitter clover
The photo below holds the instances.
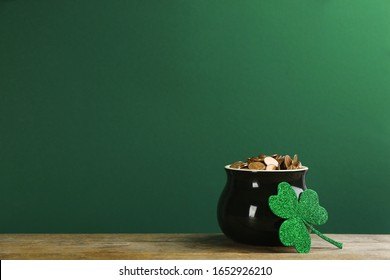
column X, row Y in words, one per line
column 299, row 216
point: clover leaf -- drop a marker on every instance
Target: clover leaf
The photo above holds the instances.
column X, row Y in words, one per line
column 310, row 210
column 285, row 204
column 300, row 215
column 293, row 232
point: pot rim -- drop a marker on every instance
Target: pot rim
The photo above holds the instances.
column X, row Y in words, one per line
column 303, row 168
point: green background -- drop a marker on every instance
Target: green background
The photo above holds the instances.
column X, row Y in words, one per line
column 118, row 116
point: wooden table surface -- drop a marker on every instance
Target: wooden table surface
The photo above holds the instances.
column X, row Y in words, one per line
column 179, row 246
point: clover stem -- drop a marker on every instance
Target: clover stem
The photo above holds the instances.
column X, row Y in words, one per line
column 330, row 240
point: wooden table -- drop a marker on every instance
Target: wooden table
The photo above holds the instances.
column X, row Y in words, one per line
column 179, row 246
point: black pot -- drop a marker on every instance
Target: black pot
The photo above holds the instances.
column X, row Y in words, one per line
column 243, row 211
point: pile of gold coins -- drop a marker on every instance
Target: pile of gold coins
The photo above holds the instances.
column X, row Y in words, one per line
column 264, row 162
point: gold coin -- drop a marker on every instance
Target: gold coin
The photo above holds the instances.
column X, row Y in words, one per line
column 280, row 159
column 256, row 165
column 295, row 160
column 237, row 164
column 254, row 159
column 271, row 160
column 287, row 161
column 271, row 167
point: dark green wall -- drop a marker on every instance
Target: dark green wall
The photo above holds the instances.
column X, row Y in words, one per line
column 118, row 116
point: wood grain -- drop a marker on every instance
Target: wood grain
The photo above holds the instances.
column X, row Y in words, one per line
column 179, row 246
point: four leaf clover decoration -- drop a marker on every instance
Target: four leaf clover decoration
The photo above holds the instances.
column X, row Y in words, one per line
column 300, row 215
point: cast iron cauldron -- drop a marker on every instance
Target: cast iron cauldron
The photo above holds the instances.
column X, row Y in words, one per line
column 243, row 212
